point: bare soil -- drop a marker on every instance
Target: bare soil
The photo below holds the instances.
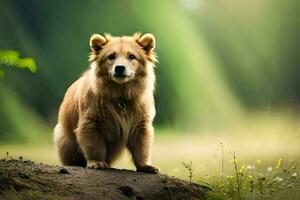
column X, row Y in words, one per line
column 27, row 180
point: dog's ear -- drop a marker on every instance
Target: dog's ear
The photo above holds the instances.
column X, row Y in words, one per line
column 97, row 42
column 147, row 42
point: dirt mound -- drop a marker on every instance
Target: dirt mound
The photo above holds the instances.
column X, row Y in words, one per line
column 27, row 180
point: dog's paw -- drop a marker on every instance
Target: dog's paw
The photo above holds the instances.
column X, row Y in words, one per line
column 148, row 169
column 94, row 164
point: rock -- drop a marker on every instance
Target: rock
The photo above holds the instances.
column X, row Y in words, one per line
column 25, row 180
column 63, row 171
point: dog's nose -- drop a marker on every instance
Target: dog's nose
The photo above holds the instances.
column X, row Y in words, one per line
column 120, row 69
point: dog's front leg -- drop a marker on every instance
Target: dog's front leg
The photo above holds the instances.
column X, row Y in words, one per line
column 139, row 146
column 91, row 143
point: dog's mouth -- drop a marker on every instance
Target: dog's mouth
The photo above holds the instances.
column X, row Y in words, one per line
column 120, row 76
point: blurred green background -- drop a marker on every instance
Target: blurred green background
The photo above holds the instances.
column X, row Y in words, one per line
column 228, row 71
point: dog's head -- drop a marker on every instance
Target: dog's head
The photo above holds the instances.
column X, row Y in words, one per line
column 122, row 59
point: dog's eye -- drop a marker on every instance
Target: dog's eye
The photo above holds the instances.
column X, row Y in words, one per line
column 111, row 57
column 131, row 57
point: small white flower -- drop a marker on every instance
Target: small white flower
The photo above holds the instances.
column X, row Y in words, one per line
column 269, row 169
column 249, row 167
column 278, row 179
column 294, row 174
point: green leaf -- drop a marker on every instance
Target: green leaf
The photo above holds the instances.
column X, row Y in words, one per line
column 27, row 63
column 9, row 57
column 12, row 58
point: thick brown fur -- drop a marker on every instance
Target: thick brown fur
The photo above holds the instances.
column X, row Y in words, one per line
column 103, row 114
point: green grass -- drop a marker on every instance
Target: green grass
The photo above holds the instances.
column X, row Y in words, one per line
column 253, row 181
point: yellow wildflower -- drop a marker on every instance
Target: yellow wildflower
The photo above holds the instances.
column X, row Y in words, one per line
column 242, row 169
column 279, row 163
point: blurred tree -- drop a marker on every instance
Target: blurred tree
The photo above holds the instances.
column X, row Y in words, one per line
column 257, row 42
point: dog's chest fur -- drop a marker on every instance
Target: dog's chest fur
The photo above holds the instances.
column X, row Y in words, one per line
column 118, row 118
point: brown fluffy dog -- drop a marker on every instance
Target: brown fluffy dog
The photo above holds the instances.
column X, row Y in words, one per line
column 111, row 106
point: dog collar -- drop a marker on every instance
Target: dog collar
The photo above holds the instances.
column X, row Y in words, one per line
column 122, row 106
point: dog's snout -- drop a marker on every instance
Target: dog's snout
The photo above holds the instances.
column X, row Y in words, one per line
column 120, row 69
